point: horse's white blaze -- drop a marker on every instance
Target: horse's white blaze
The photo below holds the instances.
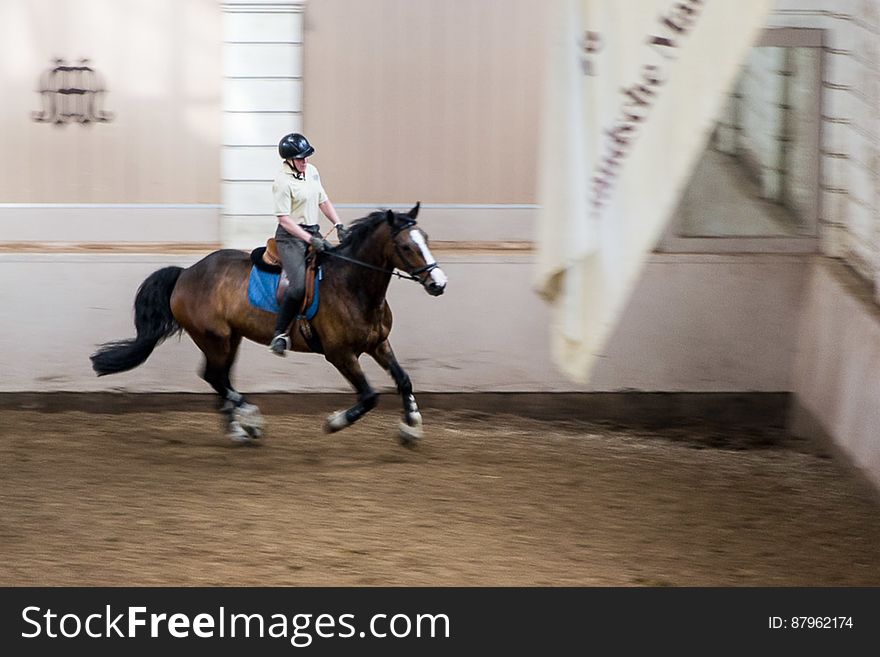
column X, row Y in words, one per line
column 437, row 274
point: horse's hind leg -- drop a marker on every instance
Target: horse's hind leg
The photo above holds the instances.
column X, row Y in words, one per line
column 350, row 368
column 242, row 419
column 411, row 425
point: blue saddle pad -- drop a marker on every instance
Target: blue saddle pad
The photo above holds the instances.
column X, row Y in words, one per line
column 262, row 286
column 261, row 290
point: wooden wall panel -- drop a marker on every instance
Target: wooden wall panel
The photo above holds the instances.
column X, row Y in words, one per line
column 411, row 100
column 160, row 62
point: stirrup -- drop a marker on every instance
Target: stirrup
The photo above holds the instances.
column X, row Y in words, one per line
column 280, row 344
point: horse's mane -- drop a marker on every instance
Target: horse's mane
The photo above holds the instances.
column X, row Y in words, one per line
column 360, row 229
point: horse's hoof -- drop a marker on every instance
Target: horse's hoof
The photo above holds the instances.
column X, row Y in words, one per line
column 250, row 414
column 335, row 422
column 410, row 435
column 249, row 418
column 237, row 433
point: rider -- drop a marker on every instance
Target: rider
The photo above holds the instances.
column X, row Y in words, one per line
column 298, row 195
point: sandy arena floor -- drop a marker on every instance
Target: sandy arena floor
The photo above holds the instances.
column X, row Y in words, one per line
column 161, row 498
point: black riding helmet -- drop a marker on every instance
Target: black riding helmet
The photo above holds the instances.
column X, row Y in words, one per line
column 294, row 147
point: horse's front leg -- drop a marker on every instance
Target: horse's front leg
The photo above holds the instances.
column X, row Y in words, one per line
column 350, row 368
column 411, row 424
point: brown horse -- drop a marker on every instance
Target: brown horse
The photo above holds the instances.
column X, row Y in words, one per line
column 209, row 300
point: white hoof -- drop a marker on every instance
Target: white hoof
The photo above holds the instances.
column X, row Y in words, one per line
column 255, row 433
column 237, row 434
column 335, row 422
column 251, row 413
column 250, row 419
column 410, row 434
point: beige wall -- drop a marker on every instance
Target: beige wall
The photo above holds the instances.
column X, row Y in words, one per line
column 696, row 323
column 160, row 62
column 836, row 378
column 424, row 100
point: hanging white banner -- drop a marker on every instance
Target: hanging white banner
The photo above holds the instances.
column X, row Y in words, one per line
column 633, row 88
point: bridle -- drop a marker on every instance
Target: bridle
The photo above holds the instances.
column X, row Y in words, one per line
column 412, row 275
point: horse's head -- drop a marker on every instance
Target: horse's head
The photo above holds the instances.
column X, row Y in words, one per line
column 411, row 253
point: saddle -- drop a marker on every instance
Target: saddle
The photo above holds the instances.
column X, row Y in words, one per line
column 266, row 258
column 270, row 254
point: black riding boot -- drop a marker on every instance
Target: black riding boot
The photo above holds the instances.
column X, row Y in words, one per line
column 281, row 341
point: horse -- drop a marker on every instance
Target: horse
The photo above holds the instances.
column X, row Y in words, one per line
column 209, row 301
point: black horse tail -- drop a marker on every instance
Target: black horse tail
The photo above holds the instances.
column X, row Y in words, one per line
column 152, row 319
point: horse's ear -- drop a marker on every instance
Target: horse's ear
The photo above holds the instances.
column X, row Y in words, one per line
column 389, row 217
column 415, row 211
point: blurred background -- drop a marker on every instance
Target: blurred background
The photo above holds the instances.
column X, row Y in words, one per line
column 764, row 281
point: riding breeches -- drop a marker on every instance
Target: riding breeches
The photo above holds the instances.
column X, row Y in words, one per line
column 292, row 251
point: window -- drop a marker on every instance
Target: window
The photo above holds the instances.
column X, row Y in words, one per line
column 756, row 184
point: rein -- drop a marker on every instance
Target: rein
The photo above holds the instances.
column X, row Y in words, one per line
column 410, row 277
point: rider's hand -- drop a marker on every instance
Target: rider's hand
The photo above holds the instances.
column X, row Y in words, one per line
column 341, row 232
column 320, row 244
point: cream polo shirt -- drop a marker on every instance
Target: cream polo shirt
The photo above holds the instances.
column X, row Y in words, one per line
column 298, row 198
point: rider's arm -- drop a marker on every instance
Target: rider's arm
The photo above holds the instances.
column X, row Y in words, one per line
column 293, row 228
column 330, row 212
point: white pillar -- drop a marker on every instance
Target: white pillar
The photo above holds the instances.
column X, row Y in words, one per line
column 262, row 101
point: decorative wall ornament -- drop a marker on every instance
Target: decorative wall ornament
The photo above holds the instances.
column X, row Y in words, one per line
column 71, row 94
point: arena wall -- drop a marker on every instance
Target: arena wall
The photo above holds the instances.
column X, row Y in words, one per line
column 184, row 167
column 721, row 323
